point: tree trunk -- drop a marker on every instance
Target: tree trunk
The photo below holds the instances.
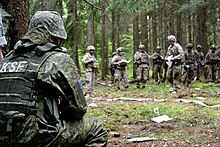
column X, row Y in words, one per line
column 201, row 37
column 90, row 27
column 45, row 5
column 75, row 32
column 170, row 17
column 189, row 24
column 135, row 38
column 117, row 33
column 144, row 30
column 113, row 31
column 19, row 10
column 104, row 53
column 154, row 31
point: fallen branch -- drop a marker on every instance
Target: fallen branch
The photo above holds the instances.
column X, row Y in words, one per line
column 92, row 5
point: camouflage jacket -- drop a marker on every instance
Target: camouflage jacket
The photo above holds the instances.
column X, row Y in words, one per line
column 141, row 58
column 199, row 57
column 90, row 63
column 176, row 51
column 189, row 58
column 211, row 58
column 157, row 58
column 116, row 61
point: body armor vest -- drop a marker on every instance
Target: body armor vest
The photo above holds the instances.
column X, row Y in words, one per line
column 18, row 75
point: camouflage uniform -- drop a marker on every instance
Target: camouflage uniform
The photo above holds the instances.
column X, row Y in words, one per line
column 112, row 68
column 41, row 98
column 158, row 60
column 211, row 60
column 174, row 72
column 189, row 66
column 91, row 65
column 218, row 66
column 120, row 71
column 200, row 59
column 141, row 59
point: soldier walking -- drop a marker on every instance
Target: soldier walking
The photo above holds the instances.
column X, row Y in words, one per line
column 174, row 55
column 120, row 72
column 189, row 65
column 142, row 62
column 158, row 61
column 200, row 59
column 91, row 66
column 211, row 63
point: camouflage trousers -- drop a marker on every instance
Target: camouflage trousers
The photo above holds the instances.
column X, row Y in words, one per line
column 142, row 75
column 32, row 132
column 189, row 73
column 212, row 72
column 90, row 81
column 157, row 71
column 174, row 75
column 121, row 75
column 199, row 70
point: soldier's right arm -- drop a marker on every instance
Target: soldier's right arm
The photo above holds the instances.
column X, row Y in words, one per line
column 86, row 59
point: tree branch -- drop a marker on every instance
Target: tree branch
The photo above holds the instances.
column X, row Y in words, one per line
column 92, row 5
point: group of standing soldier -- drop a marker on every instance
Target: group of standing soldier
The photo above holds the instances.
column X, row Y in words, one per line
column 177, row 66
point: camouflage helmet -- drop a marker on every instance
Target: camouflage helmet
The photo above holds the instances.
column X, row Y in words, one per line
column 51, row 21
column 199, row 46
column 120, row 49
column 213, row 47
column 171, row 38
column 158, row 48
column 90, row 47
column 189, row 45
column 141, row 46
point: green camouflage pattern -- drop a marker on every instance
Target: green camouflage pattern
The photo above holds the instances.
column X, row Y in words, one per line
column 43, row 25
column 59, row 72
column 200, row 59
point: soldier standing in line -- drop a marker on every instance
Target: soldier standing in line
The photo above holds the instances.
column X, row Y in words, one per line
column 189, row 65
column 142, row 61
column 112, row 68
column 211, row 63
column 158, row 61
column 120, row 72
column 91, row 66
column 41, row 97
column 218, row 66
column 174, row 55
column 200, row 59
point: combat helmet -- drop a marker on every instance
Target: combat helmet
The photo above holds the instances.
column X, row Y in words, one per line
column 120, row 49
column 199, row 46
column 189, row 46
column 90, row 47
column 171, row 38
column 213, row 47
column 51, row 21
column 158, row 48
column 141, row 46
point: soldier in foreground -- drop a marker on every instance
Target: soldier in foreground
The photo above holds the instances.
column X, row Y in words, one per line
column 91, row 66
column 189, row 65
column 175, row 54
column 211, row 63
column 41, row 98
column 142, row 61
column 200, row 59
column 120, row 72
column 158, row 61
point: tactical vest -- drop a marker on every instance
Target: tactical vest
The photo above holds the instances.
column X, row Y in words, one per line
column 119, row 58
column 189, row 57
column 144, row 58
column 18, row 75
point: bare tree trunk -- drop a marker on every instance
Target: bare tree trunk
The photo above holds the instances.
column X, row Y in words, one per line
column 76, row 34
column 179, row 33
column 135, row 38
column 117, row 33
column 104, row 52
column 113, row 31
column 90, row 27
column 189, row 24
column 19, row 10
column 201, row 37
column 194, row 28
column 144, row 30
column 170, row 17
column 154, row 31
column 45, row 5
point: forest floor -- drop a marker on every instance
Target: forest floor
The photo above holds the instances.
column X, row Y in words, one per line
column 127, row 114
